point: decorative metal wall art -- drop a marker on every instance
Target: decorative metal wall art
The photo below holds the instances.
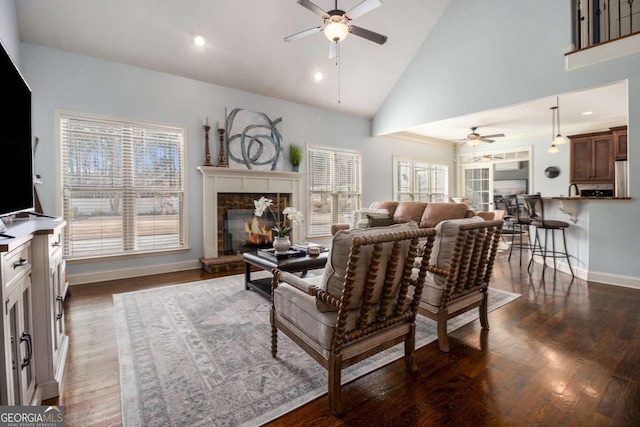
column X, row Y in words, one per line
column 253, row 140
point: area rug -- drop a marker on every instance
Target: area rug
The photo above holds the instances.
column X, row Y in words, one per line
column 199, row 354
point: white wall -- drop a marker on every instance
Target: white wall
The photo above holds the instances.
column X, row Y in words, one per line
column 61, row 80
column 9, row 30
column 516, row 54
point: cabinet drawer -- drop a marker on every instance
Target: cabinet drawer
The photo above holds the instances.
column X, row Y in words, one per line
column 16, row 262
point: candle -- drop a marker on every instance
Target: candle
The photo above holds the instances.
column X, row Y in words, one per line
column 221, row 124
column 206, row 121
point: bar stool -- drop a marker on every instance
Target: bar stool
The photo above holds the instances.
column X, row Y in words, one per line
column 535, row 208
column 517, row 221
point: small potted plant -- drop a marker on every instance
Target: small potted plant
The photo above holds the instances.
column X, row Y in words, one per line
column 296, row 153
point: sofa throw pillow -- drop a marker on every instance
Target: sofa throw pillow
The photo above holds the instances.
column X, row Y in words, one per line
column 336, row 267
column 379, row 222
column 360, row 217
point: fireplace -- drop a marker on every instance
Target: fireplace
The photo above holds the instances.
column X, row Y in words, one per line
column 254, row 183
column 239, row 230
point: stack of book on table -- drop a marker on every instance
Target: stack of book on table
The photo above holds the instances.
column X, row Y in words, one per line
column 304, row 246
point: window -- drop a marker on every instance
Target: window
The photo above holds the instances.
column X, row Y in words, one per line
column 334, row 188
column 420, row 181
column 122, row 186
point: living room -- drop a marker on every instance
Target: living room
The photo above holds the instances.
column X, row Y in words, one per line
column 514, row 61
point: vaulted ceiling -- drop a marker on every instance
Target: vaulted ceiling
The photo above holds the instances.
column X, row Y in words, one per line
column 245, row 50
column 244, row 43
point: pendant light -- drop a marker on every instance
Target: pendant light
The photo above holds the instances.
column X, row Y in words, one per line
column 559, row 139
column 554, row 146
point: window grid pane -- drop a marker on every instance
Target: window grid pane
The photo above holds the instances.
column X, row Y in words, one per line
column 122, row 187
column 420, row 181
column 334, row 188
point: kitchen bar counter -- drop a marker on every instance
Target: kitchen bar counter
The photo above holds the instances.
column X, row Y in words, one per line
column 581, row 198
column 570, row 205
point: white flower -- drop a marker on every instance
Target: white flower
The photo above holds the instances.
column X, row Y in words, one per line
column 293, row 215
column 261, row 205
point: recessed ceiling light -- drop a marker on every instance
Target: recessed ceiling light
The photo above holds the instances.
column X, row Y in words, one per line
column 198, row 41
column 318, row 76
column 587, row 113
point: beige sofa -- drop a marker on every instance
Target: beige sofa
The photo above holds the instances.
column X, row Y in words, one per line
column 425, row 214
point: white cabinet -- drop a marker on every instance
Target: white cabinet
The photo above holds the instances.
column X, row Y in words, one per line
column 18, row 386
column 50, row 290
column 34, row 343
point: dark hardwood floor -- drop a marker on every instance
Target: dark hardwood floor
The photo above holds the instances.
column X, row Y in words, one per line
column 565, row 353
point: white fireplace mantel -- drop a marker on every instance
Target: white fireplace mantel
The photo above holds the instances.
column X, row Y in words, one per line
column 227, row 180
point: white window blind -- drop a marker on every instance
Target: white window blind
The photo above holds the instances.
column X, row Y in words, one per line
column 122, row 187
column 334, row 187
column 420, row 181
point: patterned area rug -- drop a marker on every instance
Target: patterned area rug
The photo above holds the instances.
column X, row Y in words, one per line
column 199, row 354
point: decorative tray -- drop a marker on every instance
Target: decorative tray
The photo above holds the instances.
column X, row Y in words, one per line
column 271, row 253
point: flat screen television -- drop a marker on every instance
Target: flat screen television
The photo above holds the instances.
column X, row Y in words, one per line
column 16, row 170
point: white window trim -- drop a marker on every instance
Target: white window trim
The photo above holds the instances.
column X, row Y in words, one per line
column 58, row 113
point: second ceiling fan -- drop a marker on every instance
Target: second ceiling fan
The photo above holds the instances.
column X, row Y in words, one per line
column 336, row 24
column 475, row 138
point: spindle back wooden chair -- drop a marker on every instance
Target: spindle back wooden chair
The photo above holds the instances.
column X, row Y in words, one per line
column 364, row 303
column 460, row 269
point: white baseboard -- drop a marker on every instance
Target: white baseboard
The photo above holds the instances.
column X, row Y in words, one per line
column 614, row 279
column 597, row 276
column 563, row 267
column 101, row 276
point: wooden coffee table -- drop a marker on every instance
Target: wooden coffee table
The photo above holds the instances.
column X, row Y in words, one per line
column 292, row 265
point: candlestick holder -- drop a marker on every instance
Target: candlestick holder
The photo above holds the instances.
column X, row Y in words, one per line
column 222, row 158
column 207, row 154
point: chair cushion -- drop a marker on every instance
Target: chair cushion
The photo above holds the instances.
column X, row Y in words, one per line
column 435, row 213
column 336, row 267
column 432, row 290
column 446, row 236
column 317, row 328
column 409, row 211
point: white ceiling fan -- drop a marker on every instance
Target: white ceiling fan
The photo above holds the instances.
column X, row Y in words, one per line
column 336, row 24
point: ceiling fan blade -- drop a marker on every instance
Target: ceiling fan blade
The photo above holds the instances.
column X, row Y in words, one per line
column 313, row 8
column 368, row 34
column 333, row 49
column 487, row 140
column 302, row 34
column 362, row 8
column 495, row 135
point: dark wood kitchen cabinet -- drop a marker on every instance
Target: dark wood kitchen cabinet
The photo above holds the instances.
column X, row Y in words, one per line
column 620, row 142
column 592, row 158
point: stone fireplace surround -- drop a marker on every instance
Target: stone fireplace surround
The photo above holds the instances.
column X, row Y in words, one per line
column 226, row 180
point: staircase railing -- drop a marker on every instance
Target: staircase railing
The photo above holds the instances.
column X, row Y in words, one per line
column 599, row 21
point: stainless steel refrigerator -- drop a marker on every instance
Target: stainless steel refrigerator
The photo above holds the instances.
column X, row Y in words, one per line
column 622, row 178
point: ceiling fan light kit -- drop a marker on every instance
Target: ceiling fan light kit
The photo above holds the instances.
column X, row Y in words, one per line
column 335, row 28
